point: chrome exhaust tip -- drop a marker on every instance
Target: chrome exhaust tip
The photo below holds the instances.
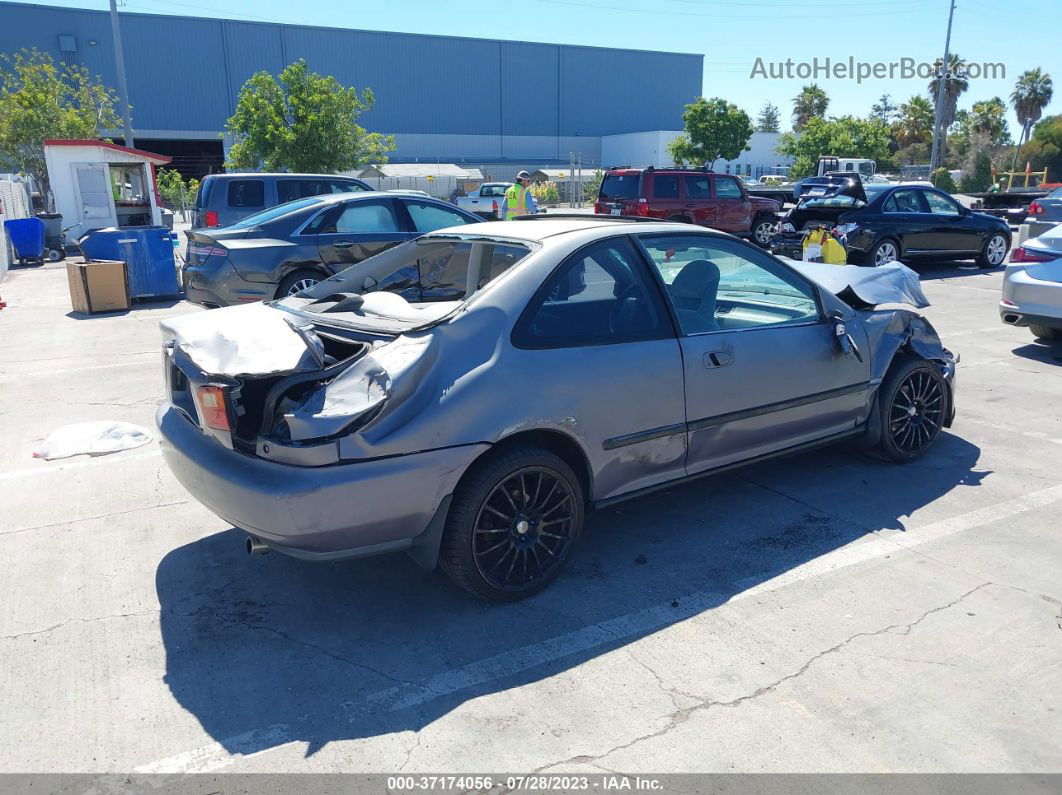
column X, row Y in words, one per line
column 256, row 547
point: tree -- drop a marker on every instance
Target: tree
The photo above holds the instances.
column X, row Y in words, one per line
column 811, row 102
column 989, row 117
column 883, row 109
column 955, row 83
column 714, row 128
column 592, row 188
column 176, row 192
column 1030, row 96
column 977, row 176
column 844, row 137
column 305, row 122
column 1044, row 149
column 39, row 100
column 942, row 179
column 914, row 122
column 769, row 119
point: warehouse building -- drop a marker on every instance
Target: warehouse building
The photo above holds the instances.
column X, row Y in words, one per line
column 497, row 105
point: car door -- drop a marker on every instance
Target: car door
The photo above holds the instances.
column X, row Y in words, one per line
column 598, row 347
column 699, row 204
column 666, row 200
column 905, row 215
column 763, row 369
column 358, row 229
column 950, row 230
column 734, row 213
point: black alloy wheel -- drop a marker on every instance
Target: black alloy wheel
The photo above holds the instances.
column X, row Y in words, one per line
column 513, row 522
column 914, row 405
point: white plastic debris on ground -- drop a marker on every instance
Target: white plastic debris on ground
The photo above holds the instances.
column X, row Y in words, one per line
column 241, row 340
column 892, row 283
column 91, row 438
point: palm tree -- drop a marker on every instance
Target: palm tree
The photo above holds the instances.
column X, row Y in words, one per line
column 955, row 83
column 811, row 101
column 914, row 121
column 1030, row 96
column 988, row 117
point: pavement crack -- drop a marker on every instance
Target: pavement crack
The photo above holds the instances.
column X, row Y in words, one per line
column 76, row 620
column 682, row 715
column 93, row 518
column 410, row 751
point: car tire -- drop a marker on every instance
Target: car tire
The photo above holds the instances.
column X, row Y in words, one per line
column 1045, row 332
column 994, row 253
column 880, row 253
column 299, row 280
column 762, row 231
column 912, row 405
column 495, row 543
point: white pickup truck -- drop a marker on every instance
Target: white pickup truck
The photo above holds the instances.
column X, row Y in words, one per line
column 486, row 201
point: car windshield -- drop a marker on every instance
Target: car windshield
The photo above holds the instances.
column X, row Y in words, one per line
column 1055, row 194
column 275, row 212
column 493, row 190
column 417, row 282
column 873, row 191
column 620, row 186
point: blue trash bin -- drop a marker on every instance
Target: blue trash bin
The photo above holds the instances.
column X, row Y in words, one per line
column 27, row 238
column 147, row 253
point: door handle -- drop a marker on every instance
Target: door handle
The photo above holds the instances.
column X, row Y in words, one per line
column 718, row 359
column 343, row 243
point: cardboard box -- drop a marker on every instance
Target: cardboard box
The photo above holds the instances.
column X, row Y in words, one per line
column 98, row 286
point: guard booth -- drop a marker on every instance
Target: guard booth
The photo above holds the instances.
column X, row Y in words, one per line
column 97, row 184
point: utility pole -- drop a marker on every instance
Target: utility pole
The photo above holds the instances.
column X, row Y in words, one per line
column 119, row 62
column 941, row 81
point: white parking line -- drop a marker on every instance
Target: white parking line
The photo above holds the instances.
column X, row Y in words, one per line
column 92, row 462
column 882, row 542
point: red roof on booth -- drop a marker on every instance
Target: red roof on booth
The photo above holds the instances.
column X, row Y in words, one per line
column 152, row 156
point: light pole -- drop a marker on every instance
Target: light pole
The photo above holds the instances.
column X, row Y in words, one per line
column 941, row 81
column 119, row 62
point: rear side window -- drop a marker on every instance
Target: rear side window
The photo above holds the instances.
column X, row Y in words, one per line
column 361, row 218
column 727, row 188
column 620, row 186
column 697, row 187
column 599, row 296
column 344, row 186
column 428, row 217
column 666, row 186
column 246, row 193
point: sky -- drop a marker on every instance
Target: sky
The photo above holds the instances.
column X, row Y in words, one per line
column 730, row 34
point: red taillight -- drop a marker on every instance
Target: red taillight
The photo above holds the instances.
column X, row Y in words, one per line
column 1021, row 254
column 495, row 205
column 599, row 208
column 212, row 408
column 643, row 207
column 210, row 218
column 1036, row 208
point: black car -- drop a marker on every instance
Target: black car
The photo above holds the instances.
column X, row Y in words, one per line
column 287, row 248
column 891, row 222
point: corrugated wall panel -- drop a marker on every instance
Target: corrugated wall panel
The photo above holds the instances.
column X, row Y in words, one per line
column 530, row 85
column 250, row 47
column 606, row 92
column 422, row 83
column 175, row 73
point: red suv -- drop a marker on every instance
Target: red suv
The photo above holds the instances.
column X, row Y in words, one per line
column 693, row 196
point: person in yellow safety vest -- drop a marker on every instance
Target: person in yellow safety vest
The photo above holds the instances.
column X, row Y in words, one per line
column 518, row 199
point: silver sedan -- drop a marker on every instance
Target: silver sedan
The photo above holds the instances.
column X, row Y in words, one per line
column 1032, row 286
column 469, row 395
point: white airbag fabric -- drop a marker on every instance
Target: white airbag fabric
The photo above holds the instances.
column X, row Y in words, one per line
column 893, row 283
column 91, row 438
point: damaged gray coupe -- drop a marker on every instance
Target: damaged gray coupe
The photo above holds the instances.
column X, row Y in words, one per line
column 467, row 396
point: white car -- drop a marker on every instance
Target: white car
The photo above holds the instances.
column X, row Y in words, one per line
column 1032, row 286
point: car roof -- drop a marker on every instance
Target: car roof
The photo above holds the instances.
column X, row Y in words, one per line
column 537, row 230
column 257, row 174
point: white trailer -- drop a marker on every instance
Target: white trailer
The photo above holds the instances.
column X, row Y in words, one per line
column 97, row 184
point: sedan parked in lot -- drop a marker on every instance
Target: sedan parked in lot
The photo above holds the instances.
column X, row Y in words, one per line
column 467, row 396
column 1032, row 286
column 288, row 248
column 1048, row 209
column 892, row 222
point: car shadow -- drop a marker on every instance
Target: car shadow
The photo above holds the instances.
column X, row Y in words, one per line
column 270, row 650
column 135, row 306
column 1041, row 351
column 933, row 269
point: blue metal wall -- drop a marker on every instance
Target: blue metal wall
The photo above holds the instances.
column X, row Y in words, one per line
column 184, row 74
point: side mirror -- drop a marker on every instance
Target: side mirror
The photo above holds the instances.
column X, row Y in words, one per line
column 844, row 339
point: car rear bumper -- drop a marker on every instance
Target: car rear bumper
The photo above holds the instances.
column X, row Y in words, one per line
column 1028, row 300
column 218, row 284
column 322, row 513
